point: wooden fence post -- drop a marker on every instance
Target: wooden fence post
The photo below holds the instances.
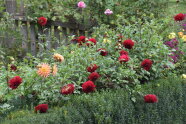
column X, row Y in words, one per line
column 24, row 32
column 11, row 6
column 57, row 35
column 47, row 32
column 22, row 9
column 40, row 39
column 33, row 38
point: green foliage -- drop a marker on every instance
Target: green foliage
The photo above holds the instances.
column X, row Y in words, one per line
column 2, row 8
column 148, row 44
column 10, row 36
column 93, row 14
column 116, row 107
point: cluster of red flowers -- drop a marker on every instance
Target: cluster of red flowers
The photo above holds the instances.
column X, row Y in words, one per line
column 150, row 98
column 14, row 82
column 123, row 56
column 89, row 85
column 145, row 64
column 179, row 17
column 81, row 40
column 89, row 42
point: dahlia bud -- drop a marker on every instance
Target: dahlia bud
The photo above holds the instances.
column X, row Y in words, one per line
column 12, row 59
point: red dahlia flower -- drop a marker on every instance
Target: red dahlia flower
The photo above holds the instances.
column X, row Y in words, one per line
column 128, row 44
column 150, row 98
column 179, row 17
column 42, row 108
column 14, row 82
column 92, row 68
column 146, row 64
column 93, row 76
column 42, row 21
column 13, row 67
column 123, row 52
column 92, row 40
column 88, row 87
column 123, row 58
column 67, row 89
column 102, row 51
column 81, row 39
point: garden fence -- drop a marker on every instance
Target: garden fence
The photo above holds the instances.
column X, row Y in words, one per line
column 31, row 31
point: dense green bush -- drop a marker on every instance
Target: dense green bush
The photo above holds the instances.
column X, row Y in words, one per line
column 114, row 107
column 78, row 58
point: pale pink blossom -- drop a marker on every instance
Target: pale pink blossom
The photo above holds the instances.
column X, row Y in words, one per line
column 108, row 12
column 81, row 4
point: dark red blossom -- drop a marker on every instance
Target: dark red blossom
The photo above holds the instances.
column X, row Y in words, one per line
column 179, row 17
column 93, row 76
column 42, row 108
column 123, row 58
column 14, row 82
column 42, row 21
column 91, row 41
column 81, row 40
column 102, row 51
column 67, row 89
column 13, row 67
column 150, row 98
column 128, row 44
column 146, row 64
column 92, row 68
column 88, row 87
column 123, row 52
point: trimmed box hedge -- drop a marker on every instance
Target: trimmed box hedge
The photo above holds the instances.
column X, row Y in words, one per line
column 116, row 107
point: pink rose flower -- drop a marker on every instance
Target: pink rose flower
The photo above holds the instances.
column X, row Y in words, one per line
column 81, row 4
column 108, row 12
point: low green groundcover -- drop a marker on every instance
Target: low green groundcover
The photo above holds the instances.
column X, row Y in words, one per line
column 115, row 107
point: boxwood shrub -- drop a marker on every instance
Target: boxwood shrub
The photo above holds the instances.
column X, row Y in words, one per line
column 115, row 106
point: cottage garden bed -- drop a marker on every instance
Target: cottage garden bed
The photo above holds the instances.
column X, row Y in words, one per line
column 127, row 72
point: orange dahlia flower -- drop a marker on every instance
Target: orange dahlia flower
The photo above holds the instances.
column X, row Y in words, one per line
column 54, row 70
column 58, row 57
column 180, row 34
column 44, row 70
